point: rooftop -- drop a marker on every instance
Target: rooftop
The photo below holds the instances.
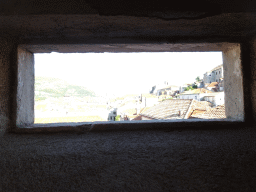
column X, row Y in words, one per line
column 213, row 84
column 196, row 91
column 169, row 109
column 214, row 113
column 218, row 67
column 199, row 107
column 215, row 68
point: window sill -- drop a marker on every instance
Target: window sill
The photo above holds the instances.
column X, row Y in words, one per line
column 169, row 125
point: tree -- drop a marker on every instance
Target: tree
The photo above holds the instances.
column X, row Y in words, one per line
column 194, row 86
column 188, row 88
column 198, row 79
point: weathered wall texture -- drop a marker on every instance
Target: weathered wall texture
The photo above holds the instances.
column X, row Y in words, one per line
column 6, row 47
column 233, row 84
column 25, row 88
column 191, row 160
column 253, row 76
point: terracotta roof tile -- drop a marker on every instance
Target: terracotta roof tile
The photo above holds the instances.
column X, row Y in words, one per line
column 202, row 105
column 169, row 109
column 214, row 113
column 199, row 107
column 137, row 118
column 213, row 84
column 196, row 113
column 196, row 91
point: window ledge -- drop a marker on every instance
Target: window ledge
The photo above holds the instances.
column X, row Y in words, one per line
column 170, row 125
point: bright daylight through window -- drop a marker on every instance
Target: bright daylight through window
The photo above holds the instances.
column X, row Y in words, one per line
column 90, row 87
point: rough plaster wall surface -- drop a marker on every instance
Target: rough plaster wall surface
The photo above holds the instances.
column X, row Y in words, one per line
column 234, row 98
column 25, row 88
column 190, row 160
column 253, row 76
column 5, row 82
column 129, row 46
column 83, row 28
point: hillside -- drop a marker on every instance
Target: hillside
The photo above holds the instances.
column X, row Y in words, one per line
column 46, row 87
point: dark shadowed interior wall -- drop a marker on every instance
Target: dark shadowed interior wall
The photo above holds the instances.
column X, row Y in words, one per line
column 216, row 157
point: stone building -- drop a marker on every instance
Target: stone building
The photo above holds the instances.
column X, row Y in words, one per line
column 112, row 114
column 182, row 155
column 164, row 89
column 214, row 75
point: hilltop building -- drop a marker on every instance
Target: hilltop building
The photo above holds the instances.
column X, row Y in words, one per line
column 112, row 114
column 165, row 89
column 214, row 75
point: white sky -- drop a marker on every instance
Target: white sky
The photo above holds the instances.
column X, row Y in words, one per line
column 126, row 72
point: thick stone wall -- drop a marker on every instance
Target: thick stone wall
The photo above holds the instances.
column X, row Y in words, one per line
column 191, row 160
column 25, row 88
column 253, row 76
column 234, row 96
column 6, row 47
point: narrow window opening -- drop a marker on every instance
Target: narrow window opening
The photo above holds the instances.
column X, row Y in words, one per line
column 126, row 86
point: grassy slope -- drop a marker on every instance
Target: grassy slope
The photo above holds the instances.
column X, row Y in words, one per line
column 53, row 87
column 68, row 119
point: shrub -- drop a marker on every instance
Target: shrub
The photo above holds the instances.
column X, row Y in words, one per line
column 117, row 118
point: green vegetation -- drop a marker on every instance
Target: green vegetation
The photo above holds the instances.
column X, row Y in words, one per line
column 198, row 79
column 68, row 119
column 167, row 98
column 52, row 87
column 117, row 118
column 189, row 88
column 194, row 86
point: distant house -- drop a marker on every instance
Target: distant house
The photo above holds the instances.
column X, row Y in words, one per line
column 214, row 75
column 216, row 98
column 182, row 88
column 169, row 90
column 213, row 86
column 216, row 86
column 112, row 114
column 196, row 94
column 164, row 89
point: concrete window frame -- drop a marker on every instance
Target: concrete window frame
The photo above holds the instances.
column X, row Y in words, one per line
column 24, row 106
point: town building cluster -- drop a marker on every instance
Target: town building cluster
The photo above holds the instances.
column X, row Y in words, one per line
column 165, row 101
